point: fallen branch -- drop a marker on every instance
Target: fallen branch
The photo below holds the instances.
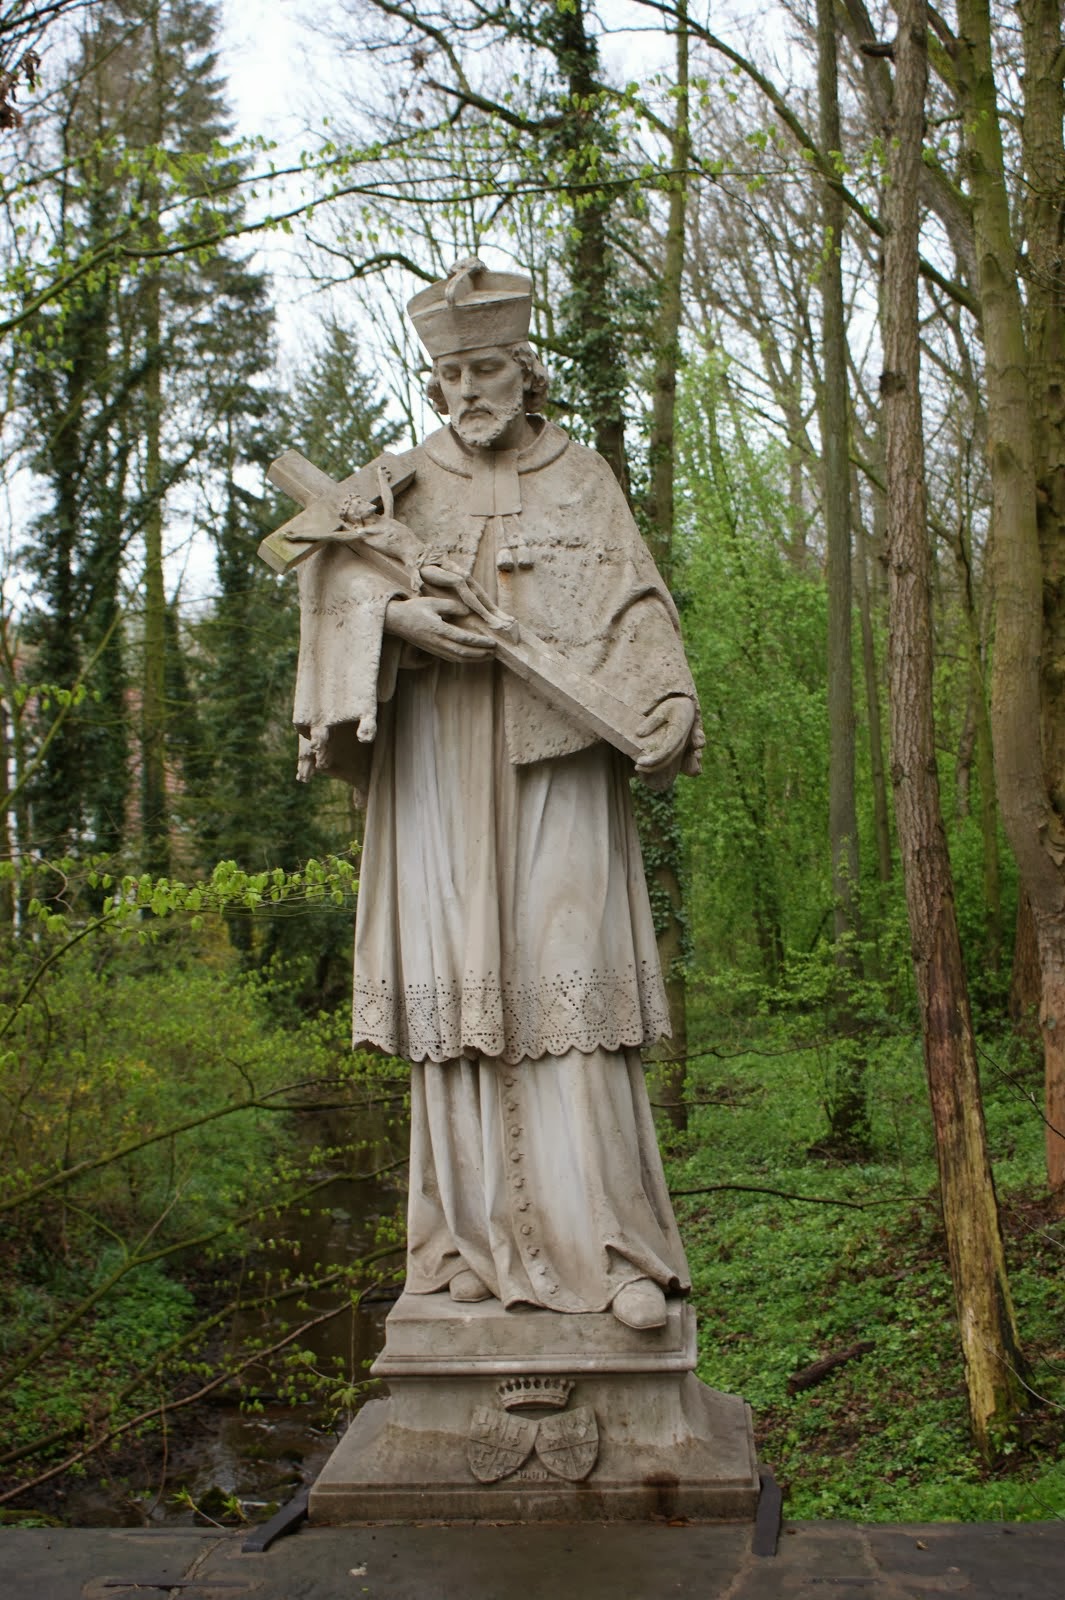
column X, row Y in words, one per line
column 788, row 1194
column 731, row 1101
column 718, row 1054
column 809, row 1377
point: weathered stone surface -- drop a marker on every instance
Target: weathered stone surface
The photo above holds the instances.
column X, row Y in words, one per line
column 979, row 1561
column 428, row 1334
column 481, row 1424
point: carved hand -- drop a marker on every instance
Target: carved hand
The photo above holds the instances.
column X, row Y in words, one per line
column 431, row 624
column 664, row 735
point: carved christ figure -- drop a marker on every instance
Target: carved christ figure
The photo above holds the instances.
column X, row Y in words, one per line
column 504, row 942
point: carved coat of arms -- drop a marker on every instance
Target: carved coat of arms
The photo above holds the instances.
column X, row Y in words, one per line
column 502, row 1440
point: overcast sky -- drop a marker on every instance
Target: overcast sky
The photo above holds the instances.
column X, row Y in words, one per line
column 265, row 51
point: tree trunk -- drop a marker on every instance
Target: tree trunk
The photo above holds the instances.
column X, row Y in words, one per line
column 976, row 742
column 990, row 1344
column 109, row 735
column 985, row 761
column 589, row 332
column 1020, row 690
column 155, row 822
column 1025, row 982
column 1044, row 162
column 8, row 847
column 877, row 773
column 798, row 466
column 848, row 1111
column 657, row 812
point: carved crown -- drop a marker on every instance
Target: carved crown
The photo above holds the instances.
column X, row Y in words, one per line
column 535, row 1394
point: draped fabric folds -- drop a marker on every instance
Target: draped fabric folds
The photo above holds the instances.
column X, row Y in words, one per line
column 504, row 939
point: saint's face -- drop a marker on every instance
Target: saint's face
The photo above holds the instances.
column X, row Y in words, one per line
column 485, row 394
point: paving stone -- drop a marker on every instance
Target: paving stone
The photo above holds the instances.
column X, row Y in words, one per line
column 816, row 1561
column 77, row 1563
column 541, row 1563
column 986, row 1561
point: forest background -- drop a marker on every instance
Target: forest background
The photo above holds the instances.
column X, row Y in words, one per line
column 798, row 276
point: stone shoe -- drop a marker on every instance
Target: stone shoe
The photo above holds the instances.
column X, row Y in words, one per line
column 640, row 1305
column 466, row 1286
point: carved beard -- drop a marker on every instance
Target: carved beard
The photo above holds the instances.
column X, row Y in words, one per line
column 487, row 421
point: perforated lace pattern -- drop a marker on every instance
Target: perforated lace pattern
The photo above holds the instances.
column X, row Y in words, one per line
column 583, row 1011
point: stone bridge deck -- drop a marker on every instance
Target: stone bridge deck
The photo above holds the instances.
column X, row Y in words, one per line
column 815, row 1561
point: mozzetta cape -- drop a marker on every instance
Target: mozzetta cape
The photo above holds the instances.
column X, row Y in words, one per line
column 582, row 580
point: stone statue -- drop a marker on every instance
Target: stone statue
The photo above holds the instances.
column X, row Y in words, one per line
column 504, row 942
column 487, row 654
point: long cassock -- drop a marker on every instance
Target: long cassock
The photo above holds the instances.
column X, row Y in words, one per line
column 504, row 942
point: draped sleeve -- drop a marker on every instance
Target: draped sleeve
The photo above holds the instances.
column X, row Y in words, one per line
column 347, row 664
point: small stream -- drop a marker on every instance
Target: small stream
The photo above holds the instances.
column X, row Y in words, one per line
column 220, row 1452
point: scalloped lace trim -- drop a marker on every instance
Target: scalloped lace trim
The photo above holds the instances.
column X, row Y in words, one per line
column 441, row 1021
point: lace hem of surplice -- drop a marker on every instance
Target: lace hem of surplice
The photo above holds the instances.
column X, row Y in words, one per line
column 512, row 1022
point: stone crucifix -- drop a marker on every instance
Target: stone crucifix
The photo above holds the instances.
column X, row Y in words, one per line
column 358, row 514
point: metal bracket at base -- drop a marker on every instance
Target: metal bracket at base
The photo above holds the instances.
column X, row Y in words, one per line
column 287, row 1520
column 767, row 1518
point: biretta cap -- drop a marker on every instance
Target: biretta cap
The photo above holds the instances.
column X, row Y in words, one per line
column 472, row 308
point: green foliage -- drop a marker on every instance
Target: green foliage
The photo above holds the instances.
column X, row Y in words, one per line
column 988, row 982
column 337, row 417
column 154, row 1169
column 755, row 825
column 780, row 1284
column 754, row 627
column 140, row 379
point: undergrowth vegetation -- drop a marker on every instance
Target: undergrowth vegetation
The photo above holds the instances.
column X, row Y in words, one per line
column 201, row 1181
column 796, row 1259
column 168, row 1123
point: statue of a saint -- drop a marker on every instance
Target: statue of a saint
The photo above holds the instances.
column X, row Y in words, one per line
column 504, row 941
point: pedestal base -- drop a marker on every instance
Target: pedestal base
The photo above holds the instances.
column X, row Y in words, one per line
column 531, row 1416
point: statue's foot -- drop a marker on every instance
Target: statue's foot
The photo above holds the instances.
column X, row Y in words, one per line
column 640, row 1305
column 466, row 1286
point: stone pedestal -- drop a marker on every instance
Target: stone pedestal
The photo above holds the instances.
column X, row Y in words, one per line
column 532, row 1416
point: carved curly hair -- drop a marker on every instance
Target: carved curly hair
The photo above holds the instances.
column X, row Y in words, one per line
column 537, row 381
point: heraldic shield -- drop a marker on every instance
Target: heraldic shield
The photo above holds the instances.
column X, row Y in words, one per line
column 568, row 1443
column 499, row 1442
